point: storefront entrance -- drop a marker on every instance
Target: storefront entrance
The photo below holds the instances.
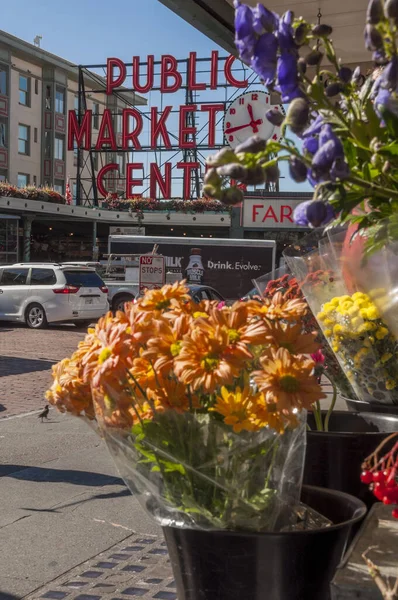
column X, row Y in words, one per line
column 9, row 253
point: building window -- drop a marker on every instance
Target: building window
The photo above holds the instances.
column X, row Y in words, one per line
column 24, row 90
column 36, row 86
column 23, row 180
column 3, row 175
column 59, row 187
column 23, row 139
column 58, row 148
column 119, row 123
column 48, row 97
column 60, row 100
column 47, row 145
column 34, row 180
column 95, row 115
column 3, row 80
column 74, row 191
column 95, row 160
column 3, row 133
column 120, row 163
column 76, row 101
column 35, row 135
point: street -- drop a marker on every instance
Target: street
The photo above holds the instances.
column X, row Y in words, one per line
column 59, row 488
column 26, row 357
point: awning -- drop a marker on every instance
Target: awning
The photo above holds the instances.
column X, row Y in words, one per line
column 347, row 17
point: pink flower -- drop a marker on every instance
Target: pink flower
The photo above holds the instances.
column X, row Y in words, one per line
column 318, row 357
column 221, row 305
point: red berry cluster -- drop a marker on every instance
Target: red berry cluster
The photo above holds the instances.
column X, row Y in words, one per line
column 381, row 474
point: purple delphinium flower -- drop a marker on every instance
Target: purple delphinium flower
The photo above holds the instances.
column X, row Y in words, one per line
column 264, row 59
column 319, row 213
column 285, row 33
column 314, row 128
column 300, row 214
column 311, row 144
column 313, row 213
column 287, row 71
column 325, row 157
column 245, row 37
column 339, row 170
column 264, row 19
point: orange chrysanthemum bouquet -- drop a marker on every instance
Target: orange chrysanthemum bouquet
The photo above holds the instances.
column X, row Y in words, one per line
column 201, row 407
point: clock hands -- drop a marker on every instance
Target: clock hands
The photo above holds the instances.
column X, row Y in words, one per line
column 253, row 123
column 233, row 129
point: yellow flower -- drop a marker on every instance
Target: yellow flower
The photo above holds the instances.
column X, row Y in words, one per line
column 328, row 332
column 345, row 298
column 334, row 302
column 329, row 322
column 346, row 306
column 372, row 313
column 321, row 316
column 236, row 408
column 367, row 327
column 353, row 310
column 338, row 329
column 359, row 296
column 386, row 357
column 328, row 308
column 391, row 384
column 381, row 333
column 356, row 323
column 335, row 347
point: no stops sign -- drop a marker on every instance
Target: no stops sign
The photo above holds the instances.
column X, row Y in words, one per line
column 152, row 272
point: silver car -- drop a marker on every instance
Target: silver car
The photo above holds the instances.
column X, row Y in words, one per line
column 42, row 293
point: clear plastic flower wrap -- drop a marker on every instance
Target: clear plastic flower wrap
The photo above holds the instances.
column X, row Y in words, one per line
column 350, row 321
column 191, row 470
column 203, row 408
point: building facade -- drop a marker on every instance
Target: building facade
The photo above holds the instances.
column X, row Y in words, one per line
column 37, row 89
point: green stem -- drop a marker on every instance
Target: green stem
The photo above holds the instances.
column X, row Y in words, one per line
column 331, row 407
column 316, row 408
column 386, row 192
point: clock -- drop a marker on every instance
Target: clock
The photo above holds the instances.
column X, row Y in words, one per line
column 245, row 117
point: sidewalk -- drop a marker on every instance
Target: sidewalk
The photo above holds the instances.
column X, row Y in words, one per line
column 137, row 567
column 62, row 504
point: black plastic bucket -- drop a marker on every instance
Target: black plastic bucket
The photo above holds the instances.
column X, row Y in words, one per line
column 333, row 459
column 298, row 565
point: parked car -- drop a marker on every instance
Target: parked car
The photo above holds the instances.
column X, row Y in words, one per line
column 204, row 292
column 42, row 293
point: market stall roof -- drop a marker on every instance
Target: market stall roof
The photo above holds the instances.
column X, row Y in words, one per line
column 215, row 19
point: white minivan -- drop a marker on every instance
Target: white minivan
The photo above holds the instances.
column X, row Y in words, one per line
column 42, row 293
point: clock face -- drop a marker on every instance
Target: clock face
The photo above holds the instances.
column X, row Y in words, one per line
column 245, row 117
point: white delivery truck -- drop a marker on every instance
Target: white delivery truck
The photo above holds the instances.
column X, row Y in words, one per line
column 227, row 265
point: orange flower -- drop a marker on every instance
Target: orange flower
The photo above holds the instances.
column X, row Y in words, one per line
column 202, row 363
column 143, row 374
column 166, row 343
column 278, row 308
column 242, row 330
column 237, row 408
column 286, row 335
column 69, row 392
column 173, row 395
column 289, row 378
column 166, row 297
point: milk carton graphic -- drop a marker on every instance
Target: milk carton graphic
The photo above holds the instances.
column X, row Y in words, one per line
column 194, row 272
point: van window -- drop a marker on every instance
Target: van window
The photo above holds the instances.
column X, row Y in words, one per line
column 43, row 277
column 83, row 278
column 14, row 276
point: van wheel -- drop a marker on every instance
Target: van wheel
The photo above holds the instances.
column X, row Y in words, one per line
column 35, row 317
column 120, row 301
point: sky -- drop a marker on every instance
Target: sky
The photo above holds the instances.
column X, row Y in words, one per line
column 90, row 31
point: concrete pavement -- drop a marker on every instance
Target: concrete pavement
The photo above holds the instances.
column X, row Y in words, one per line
column 62, row 501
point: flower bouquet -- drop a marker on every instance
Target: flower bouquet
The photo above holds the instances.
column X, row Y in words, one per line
column 203, row 409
